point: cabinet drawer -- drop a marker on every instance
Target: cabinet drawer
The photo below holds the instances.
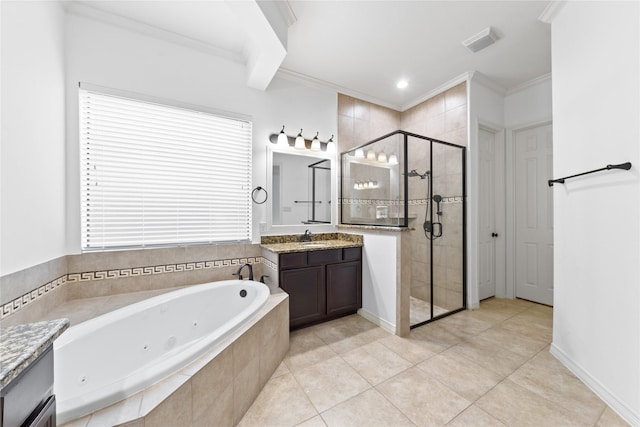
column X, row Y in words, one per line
column 352, row 254
column 295, row 259
column 323, row 257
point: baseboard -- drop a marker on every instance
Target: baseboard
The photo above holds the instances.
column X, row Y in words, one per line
column 603, row 392
column 387, row 326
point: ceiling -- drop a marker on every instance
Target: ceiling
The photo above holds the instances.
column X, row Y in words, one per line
column 361, row 48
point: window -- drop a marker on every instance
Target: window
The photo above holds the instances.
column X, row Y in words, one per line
column 158, row 175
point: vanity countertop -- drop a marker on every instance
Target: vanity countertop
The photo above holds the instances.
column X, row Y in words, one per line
column 20, row 345
column 315, row 245
column 319, row 242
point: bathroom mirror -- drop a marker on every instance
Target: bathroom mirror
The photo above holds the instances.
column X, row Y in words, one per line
column 301, row 188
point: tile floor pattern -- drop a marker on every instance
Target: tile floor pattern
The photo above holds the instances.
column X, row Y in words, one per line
column 420, row 310
column 486, row 367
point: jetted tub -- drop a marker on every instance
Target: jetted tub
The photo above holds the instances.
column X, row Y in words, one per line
column 118, row 354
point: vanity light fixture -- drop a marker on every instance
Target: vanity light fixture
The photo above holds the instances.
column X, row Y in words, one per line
column 393, row 159
column 283, row 140
column 382, row 157
column 331, row 145
column 359, row 153
column 300, row 141
column 371, row 155
column 315, row 143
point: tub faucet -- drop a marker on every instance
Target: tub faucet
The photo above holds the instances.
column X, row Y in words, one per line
column 306, row 237
column 239, row 272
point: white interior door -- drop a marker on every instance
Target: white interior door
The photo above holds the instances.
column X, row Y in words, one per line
column 487, row 233
column 534, row 214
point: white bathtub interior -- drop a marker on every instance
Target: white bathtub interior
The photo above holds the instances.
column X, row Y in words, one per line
column 106, row 359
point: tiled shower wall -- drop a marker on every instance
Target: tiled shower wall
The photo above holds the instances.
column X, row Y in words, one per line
column 442, row 117
column 28, row 295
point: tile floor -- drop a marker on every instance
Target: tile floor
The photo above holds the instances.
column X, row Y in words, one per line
column 486, row 367
column 420, row 310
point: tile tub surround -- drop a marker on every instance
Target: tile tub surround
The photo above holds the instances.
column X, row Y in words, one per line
column 22, row 344
column 29, row 295
column 485, row 367
column 216, row 389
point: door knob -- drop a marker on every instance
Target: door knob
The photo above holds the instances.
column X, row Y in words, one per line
column 494, row 234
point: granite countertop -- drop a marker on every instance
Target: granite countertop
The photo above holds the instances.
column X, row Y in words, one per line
column 20, row 345
column 315, row 245
column 319, row 242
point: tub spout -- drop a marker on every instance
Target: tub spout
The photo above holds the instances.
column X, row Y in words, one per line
column 239, row 272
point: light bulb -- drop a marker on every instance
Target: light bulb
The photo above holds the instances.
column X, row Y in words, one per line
column 315, row 143
column 382, row 157
column 300, row 141
column 393, row 159
column 371, row 155
column 283, row 141
column 331, row 145
column 359, row 153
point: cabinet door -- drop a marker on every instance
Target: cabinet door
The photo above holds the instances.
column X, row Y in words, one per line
column 307, row 297
column 344, row 288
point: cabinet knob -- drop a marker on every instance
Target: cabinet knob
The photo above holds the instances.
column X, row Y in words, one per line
column 494, row 234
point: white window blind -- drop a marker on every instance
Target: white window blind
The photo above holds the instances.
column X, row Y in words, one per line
column 157, row 175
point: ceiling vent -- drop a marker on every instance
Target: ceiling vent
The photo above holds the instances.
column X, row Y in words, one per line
column 481, row 40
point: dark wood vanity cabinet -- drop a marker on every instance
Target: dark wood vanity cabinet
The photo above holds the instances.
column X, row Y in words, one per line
column 322, row 285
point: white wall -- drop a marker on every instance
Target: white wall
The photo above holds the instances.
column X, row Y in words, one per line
column 110, row 56
column 531, row 104
column 596, row 114
column 32, row 192
column 379, row 277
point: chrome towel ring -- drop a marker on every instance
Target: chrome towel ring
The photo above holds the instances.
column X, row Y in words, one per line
column 257, row 190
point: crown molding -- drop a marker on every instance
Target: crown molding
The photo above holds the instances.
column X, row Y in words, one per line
column 551, row 11
column 530, row 83
column 438, row 90
column 85, row 10
column 285, row 9
column 485, row 81
column 323, row 84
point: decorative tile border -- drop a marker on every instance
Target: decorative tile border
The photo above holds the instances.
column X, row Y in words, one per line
column 378, row 202
column 120, row 273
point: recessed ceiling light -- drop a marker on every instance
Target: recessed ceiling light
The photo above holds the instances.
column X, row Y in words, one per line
column 402, row 84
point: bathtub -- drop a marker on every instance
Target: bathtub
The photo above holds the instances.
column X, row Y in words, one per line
column 116, row 355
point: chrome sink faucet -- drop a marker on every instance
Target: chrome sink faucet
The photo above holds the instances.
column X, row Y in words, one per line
column 239, row 272
column 306, row 237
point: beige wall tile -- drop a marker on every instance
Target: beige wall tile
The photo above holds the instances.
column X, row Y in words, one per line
column 210, row 383
column 455, row 119
column 246, row 387
column 361, row 110
column 173, row 411
column 16, row 284
column 345, row 105
column 219, row 413
column 456, row 96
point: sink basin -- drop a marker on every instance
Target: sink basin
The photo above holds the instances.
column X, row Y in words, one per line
column 314, row 244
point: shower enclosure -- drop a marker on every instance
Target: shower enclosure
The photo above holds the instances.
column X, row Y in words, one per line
column 410, row 181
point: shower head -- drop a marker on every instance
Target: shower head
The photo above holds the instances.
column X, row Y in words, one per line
column 437, row 198
column 413, row 173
